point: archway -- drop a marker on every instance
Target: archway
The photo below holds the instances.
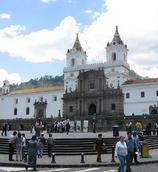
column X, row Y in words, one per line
column 40, row 113
column 40, row 109
column 92, row 109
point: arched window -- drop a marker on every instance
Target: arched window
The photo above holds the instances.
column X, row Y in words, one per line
column 124, row 55
column 72, row 62
column 114, row 56
column 82, row 61
column 27, row 111
column 92, row 109
column 15, row 111
column 113, row 107
column 127, row 95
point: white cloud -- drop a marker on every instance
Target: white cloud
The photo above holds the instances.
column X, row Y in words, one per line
column 11, row 77
column 5, row 16
column 92, row 14
column 138, row 28
column 137, row 24
column 88, row 11
column 47, row 1
column 40, row 46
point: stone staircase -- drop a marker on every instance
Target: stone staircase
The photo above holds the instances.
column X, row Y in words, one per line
column 77, row 146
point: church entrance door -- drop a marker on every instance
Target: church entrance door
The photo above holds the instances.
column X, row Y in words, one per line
column 40, row 109
column 92, row 109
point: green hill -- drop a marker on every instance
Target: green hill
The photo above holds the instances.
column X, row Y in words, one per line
column 45, row 81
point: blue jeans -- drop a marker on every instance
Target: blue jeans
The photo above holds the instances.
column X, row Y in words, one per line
column 122, row 163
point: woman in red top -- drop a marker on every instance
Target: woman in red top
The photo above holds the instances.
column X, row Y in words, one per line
column 98, row 145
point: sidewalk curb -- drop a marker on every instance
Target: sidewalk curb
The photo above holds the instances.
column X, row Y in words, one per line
column 12, row 164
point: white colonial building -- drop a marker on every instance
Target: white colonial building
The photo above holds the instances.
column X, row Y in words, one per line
column 139, row 95
column 31, row 103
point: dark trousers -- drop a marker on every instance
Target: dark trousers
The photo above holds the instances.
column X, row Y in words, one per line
column 129, row 159
column 11, row 151
column 4, row 131
column 32, row 160
column 67, row 131
column 135, row 157
column 50, row 150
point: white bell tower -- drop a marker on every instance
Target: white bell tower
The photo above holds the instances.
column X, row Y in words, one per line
column 6, row 87
column 116, row 50
column 76, row 56
column 116, row 54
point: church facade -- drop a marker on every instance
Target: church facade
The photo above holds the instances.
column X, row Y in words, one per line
column 93, row 100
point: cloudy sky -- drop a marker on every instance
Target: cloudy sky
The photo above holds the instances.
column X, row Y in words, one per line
column 35, row 34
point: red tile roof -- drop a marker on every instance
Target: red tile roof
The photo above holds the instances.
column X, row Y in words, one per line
column 141, row 81
column 37, row 90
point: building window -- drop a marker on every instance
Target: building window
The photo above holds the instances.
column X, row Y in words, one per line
column 28, row 100
column 55, row 98
column 113, row 56
column 142, row 94
column 15, row 111
column 157, row 93
column 71, row 109
column 16, row 101
column 27, row 111
column 127, row 95
column 82, row 61
column 124, row 56
column 71, row 74
column 73, row 62
column 91, row 85
column 113, row 107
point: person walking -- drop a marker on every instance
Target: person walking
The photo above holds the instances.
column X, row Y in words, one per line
column 121, row 153
column 50, row 144
column 4, row 129
column 98, row 146
column 32, row 153
column 131, row 146
column 38, row 127
column 94, row 127
column 19, row 147
column 12, row 145
column 41, row 142
column 67, row 127
column 24, row 145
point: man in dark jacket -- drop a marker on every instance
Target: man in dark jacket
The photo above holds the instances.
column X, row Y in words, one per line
column 50, row 144
column 12, row 145
column 32, row 152
column 131, row 147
